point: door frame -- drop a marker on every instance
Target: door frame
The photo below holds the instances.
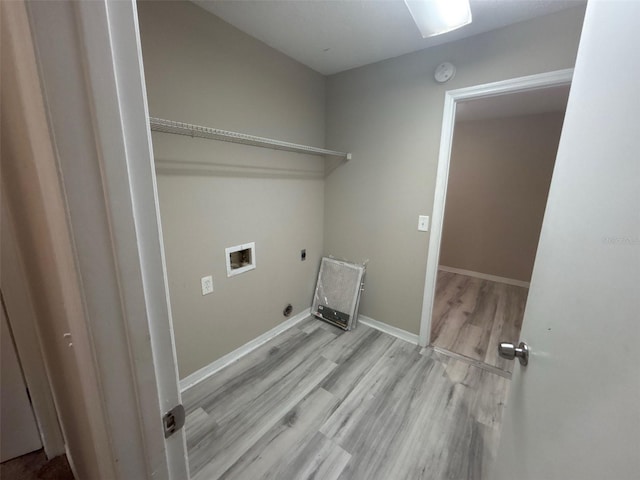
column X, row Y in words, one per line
column 451, row 98
column 90, row 71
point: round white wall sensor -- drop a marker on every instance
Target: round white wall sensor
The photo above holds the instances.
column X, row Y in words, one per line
column 444, row 72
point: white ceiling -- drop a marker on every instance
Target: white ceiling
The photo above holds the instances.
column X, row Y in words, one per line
column 335, row 35
column 544, row 100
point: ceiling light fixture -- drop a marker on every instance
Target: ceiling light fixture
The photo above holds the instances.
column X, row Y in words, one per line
column 435, row 17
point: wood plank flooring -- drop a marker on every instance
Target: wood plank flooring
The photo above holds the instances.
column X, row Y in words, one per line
column 319, row 403
column 471, row 316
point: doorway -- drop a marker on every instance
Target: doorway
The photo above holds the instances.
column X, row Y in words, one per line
column 498, row 149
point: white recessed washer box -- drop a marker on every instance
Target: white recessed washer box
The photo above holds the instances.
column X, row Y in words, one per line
column 240, row 258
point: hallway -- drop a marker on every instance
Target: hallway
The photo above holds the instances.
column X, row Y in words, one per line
column 471, row 316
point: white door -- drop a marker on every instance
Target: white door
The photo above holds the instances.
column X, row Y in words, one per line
column 19, row 433
column 574, row 411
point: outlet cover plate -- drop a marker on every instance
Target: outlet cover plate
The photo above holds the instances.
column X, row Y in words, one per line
column 207, row 285
column 423, row 223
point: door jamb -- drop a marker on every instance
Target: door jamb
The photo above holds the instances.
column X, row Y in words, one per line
column 451, row 98
column 98, row 117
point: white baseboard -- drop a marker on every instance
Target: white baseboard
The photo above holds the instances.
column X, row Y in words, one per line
column 205, row 372
column 391, row 330
column 485, row 276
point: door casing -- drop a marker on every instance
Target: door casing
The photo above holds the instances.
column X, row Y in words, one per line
column 90, row 67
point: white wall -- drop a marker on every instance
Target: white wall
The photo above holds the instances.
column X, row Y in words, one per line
column 202, row 70
column 499, row 178
column 389, row 115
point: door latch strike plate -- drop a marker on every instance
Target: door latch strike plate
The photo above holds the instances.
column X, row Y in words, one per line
column 173, row 420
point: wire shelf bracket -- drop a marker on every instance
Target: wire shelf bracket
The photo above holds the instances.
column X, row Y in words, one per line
column 189, row 130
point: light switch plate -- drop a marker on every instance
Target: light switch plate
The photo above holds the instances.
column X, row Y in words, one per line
column 207, row 285
column 423, row 223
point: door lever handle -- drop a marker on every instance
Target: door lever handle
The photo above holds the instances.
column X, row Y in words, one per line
column 510, row 351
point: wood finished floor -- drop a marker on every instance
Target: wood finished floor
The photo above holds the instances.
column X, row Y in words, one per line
column 319, row 403
column 471, row 316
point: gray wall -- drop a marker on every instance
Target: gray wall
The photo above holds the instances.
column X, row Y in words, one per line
column 499, row 180
column 213, row 195
column 389, row 114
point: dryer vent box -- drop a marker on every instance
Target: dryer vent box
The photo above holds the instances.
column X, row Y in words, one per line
column 338, row 290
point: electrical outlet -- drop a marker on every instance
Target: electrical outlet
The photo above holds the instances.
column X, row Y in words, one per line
column 207, row 285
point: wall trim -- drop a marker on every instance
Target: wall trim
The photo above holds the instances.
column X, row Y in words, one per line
column 217, row 365
column 485, row 276
column 451, row 97
column 390, row 329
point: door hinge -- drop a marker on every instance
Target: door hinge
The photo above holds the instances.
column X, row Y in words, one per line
column 173, row 420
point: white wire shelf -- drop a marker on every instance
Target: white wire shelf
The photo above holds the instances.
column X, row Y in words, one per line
column 189, row 130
